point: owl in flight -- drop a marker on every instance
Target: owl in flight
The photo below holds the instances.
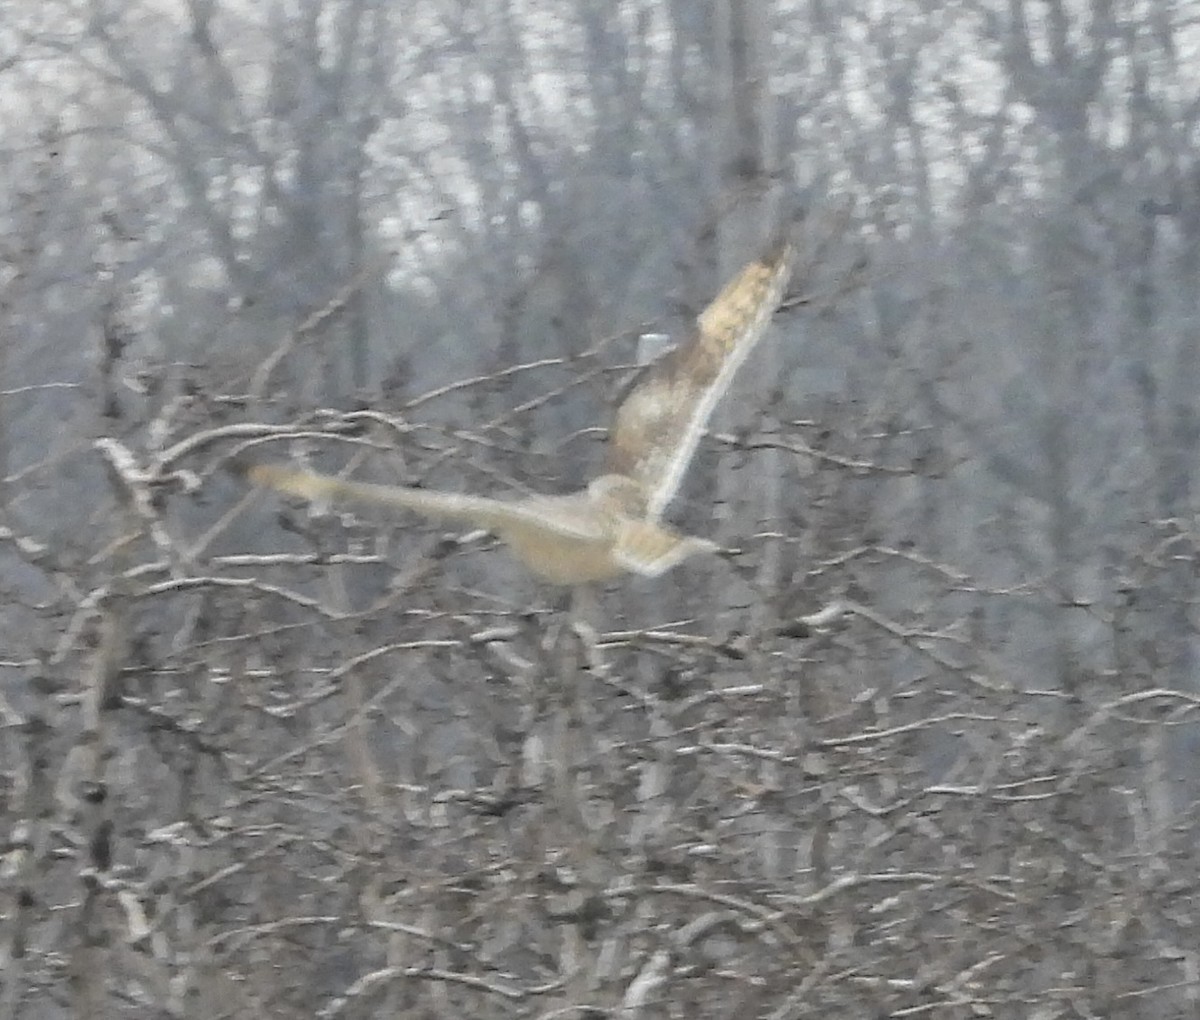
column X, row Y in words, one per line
column 613, row 526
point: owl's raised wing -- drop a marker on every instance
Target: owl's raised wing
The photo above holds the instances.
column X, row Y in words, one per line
column 659, row 424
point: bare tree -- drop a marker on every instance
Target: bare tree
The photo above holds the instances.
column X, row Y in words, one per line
column 262, row 760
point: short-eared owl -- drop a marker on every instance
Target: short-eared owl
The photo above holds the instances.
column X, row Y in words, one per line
column 613, row 526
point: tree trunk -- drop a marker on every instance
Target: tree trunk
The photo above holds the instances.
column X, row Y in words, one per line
column 748, row 209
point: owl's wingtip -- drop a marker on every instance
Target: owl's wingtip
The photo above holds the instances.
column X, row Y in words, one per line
column 242, row 466
column 267, row 476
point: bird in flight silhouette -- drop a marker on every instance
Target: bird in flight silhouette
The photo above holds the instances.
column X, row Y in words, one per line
column 613, row 526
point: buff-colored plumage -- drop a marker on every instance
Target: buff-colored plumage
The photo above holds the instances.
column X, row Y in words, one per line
column 661, row 421
column 612, row 526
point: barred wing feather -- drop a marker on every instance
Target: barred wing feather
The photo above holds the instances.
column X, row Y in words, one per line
column 661, row 421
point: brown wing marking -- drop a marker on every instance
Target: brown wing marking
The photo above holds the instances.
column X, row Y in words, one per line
column 660, row 422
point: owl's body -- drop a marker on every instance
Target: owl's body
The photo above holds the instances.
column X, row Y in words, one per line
column 611, row 527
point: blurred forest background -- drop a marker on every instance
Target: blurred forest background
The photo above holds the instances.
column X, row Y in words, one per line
column 927, row 746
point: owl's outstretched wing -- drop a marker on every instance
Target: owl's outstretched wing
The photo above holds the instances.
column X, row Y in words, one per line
column 660, row 422
column 563, row 539
column 492, row 514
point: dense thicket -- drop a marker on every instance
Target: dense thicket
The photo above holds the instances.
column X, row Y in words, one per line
column 926, row 746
